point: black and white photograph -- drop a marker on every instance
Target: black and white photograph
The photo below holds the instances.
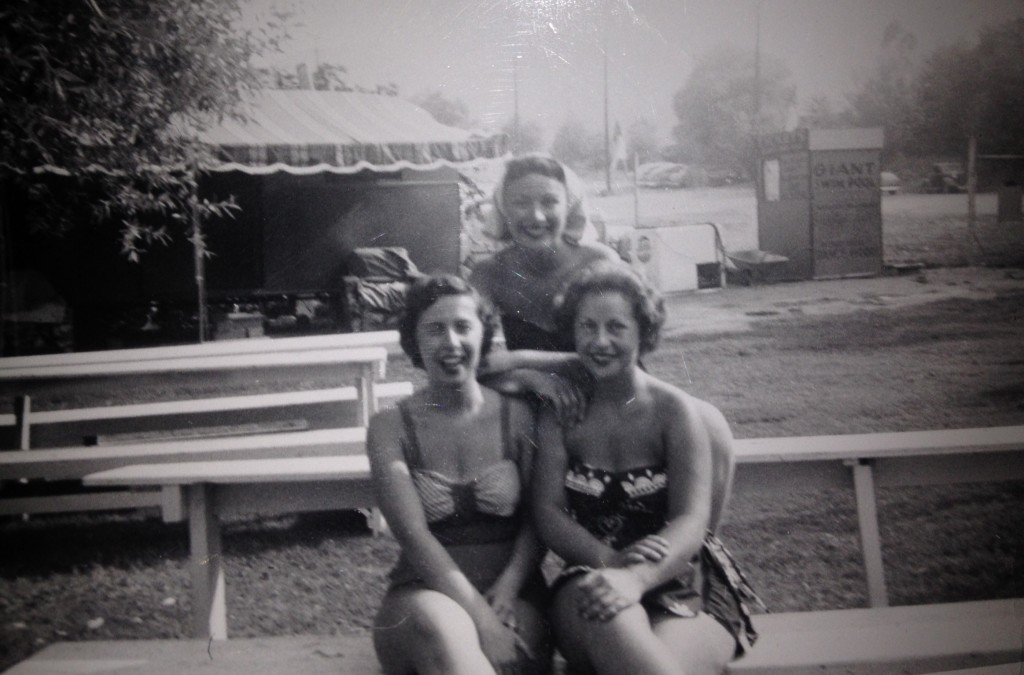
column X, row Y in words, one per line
column 547, row 337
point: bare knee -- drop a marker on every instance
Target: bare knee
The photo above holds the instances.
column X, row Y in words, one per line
column 700, row 644
column 583, row 642
column 422, row 632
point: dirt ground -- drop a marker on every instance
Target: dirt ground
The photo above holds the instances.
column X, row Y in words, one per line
column 738, row 308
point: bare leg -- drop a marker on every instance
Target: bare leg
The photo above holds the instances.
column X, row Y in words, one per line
column 533, row 629
column 426, row 632
column 625, row 644
column 701, row 645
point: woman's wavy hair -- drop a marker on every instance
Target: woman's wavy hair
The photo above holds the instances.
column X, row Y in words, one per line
column 427, row 290
column 531, row 164
column 611, row 277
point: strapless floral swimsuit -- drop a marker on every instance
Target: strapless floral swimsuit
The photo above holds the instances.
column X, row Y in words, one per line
column 622, row 507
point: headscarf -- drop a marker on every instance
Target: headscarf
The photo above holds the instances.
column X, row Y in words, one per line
column 577, row 225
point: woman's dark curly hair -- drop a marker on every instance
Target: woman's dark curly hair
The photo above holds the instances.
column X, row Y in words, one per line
column 530, row 164
column 610, row 277
column 427, row 290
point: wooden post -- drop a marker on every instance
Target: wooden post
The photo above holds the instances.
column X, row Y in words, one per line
column 22, row 411
column 198, row 250
column 5, row 269
column 209, row 611
column 972, row 188
column 870, row 536
column 368, row 405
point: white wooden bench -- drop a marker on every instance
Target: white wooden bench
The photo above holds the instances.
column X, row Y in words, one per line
column 964, row 638
column 862, row 462
column 387, row 339
column 857, row 461
column 907, row 639
column 275, row 424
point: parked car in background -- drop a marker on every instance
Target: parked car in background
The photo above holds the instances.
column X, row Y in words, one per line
column 890, row 183
column 946, row 178
column 670, row 175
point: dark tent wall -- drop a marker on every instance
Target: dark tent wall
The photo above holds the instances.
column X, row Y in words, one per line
column 316, row 174
column 313, row 223
column 290, row 238
column 291, row 235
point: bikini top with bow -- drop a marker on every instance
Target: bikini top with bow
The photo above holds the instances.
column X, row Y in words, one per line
column 483, row 509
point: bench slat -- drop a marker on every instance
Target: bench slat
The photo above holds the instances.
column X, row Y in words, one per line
column 237, row 471
column 386, row 338
column 383, row 390
column 88, row 501
column 919, row 638
column 189, row 433
column 354, row 655
column 76, row 462
column 879, row 445
column 358, row 357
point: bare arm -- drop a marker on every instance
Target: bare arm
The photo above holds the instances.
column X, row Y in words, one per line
column 691, row 431
column 559, row 363
column 527, row 552
column 556, row 527
column 688, row 437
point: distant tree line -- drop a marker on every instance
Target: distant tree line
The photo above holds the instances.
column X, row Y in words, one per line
column 731, row 96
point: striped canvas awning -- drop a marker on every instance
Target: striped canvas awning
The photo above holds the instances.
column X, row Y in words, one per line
column 309, row 131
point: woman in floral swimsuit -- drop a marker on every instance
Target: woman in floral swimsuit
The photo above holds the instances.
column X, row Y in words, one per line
column 628, row 500
column 450, row 465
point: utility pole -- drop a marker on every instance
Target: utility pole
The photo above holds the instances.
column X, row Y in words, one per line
column 515, row 104
column 757, row 84
column 607, row 140
column 757, row 73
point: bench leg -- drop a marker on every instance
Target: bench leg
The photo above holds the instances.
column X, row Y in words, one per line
column 209, row 613
column 375, row 521
column 870, row 536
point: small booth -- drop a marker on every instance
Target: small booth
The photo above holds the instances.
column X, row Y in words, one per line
column 819, row 202
column 675, row 258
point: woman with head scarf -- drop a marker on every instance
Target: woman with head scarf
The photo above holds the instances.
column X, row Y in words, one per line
column 539, row 210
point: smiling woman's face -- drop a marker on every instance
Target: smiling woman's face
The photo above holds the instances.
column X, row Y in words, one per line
column 607, row 334
column 536, row 207
column 449, row 335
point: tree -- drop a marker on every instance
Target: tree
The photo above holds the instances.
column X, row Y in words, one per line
column 576, row 146
column 104, row 92
column 974, row 90
column 323, row 77
column 720, row 102
column 820, row 114
column 642, row 140
column 453, row 112
column 531, row 135
column 887, row 98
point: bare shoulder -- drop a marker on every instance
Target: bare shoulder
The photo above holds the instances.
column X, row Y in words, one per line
column 488, row 272
column 592, row 252
column 675, row 404
column 385, row 426
column 521, row 414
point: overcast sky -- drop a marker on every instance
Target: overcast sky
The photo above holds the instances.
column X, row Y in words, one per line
column 466, row 48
